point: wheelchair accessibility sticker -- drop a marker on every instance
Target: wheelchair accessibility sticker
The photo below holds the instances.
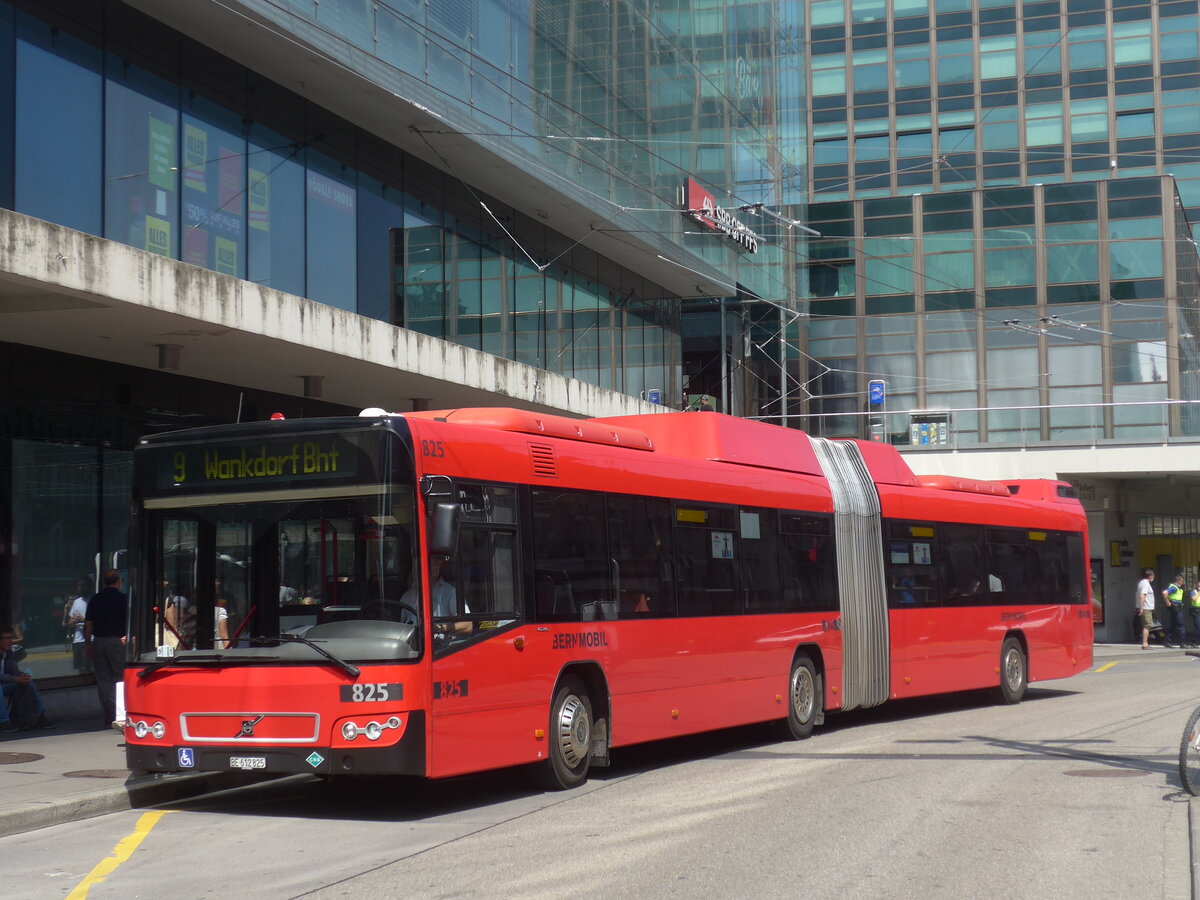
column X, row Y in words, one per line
column 186, row 759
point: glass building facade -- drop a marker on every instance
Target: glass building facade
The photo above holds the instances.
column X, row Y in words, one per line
column 116, row 123
column 1007, row 196
column 120, row 127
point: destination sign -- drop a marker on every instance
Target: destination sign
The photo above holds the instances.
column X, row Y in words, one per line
column 224, row 464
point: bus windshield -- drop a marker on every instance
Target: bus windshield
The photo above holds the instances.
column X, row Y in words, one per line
column 229, row 562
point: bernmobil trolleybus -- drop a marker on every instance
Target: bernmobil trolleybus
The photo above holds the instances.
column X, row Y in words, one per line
column 446, row 592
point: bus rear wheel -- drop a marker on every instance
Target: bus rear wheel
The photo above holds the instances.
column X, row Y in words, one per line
column 1014, row 671
column 804, row 701
column 570, row 752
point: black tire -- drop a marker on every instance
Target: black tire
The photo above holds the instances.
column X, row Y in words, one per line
column 1014, row 671
column 804, row 701
column 570, row 737
column 1189, row 755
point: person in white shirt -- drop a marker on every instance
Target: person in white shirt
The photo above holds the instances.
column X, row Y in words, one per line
column 1144, row 600
column 73, row 617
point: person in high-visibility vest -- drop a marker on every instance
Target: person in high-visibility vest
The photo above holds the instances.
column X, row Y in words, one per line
column 1174, row 597
column 1194, row 604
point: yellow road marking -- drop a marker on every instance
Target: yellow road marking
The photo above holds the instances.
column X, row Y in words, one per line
column 120, row 854
column 1106, row 668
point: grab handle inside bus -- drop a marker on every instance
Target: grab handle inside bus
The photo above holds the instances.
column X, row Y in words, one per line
column 443, row 536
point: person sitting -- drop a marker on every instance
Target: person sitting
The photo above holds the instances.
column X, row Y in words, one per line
column 13, row 680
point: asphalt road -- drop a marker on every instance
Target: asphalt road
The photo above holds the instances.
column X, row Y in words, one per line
column 1072, row 794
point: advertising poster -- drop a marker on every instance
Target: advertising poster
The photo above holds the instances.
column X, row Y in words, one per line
column 330, row 193
column 158, row 236
column 161, row 170
column 260, row 201
column 227, row 257
column 195, row 155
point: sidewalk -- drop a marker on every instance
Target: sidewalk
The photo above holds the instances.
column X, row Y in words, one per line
column 78, row 770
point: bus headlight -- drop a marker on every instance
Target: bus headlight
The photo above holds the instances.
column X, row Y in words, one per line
column 142, row 728
column 372, row 731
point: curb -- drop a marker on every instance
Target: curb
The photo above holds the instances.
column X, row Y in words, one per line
column 137, row 792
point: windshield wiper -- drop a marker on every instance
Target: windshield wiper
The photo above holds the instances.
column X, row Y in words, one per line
column 349, row 668
column 197, row 657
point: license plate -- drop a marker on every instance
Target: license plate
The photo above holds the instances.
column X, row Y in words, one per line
column 248, row 762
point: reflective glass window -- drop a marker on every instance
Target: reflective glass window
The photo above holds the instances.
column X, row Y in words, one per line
column 949, row 271
column 1072, row 262
column 871, row 78
column 141, row 159
column 827, row 12
column 274, row 211
column 380, row 210
column 1181, row 45
column 400, row 40
column 1009, row 267
column 1040, row 132
column 59, row 102
column 1140, row 124
column 331, row 201
column 829, row 82
column 912, row 72
column 1089, row 55
column 214, row 188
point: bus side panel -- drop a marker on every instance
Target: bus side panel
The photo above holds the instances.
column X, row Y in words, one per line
column 940, row 648
column 488, row 701
column 960, row 646
column 1070, row 651
column 697, row 675
column 665, row 678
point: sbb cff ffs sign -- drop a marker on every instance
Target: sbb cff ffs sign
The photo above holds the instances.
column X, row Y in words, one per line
column 702, row 207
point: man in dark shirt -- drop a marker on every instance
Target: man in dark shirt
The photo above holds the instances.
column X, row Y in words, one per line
column 12, row 679
column 104, row 632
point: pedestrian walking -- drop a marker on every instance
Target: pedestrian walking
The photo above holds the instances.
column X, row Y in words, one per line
column 104, row 631
column 1143, row 599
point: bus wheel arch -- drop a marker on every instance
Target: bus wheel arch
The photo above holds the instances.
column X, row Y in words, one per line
column 578, row 734
column 805, row 697
column 1014, row 667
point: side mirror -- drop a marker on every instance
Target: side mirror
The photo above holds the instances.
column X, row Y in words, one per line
column 443, row 536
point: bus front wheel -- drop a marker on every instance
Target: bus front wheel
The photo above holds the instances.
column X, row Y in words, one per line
column 804, row 701
column 570, row 751
column 1014, row 671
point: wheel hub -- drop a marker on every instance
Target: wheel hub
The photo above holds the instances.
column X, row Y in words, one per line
column 803, row 694
column 574, row 731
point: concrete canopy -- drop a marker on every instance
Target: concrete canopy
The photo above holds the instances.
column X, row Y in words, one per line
column 75, row 293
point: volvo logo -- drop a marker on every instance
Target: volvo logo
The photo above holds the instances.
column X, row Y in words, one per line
column 248, row 727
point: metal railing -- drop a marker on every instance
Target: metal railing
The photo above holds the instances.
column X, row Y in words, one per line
column 1041, row 425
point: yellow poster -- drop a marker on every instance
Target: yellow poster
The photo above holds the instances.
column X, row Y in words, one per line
column 195, row 156
column 260, row 201
column 227, row 257
column 158, row 236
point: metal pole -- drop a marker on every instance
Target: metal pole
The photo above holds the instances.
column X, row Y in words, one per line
column 783, row 379
column 724, row 363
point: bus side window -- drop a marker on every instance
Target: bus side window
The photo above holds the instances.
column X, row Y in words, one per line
column 639, row 538
column 570, row 544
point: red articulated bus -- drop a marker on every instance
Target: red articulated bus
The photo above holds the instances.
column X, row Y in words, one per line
column 446, row 592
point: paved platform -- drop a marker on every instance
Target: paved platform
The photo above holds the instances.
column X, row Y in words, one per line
column 78, row 770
